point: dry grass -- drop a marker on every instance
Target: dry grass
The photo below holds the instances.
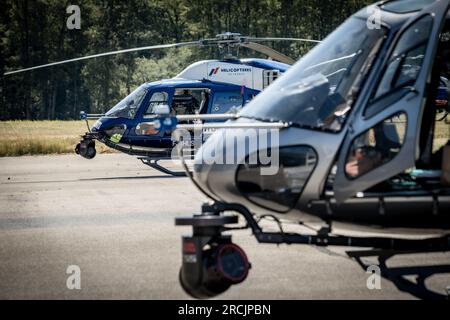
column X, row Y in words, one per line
column 41, row 137
column 443, row 129
column 441, row 135
column 58, row 137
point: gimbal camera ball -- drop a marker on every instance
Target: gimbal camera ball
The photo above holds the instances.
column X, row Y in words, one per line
column 211, row 262
column 86, row 148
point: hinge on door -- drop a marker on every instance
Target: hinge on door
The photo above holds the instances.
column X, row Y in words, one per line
column 381, row 206
column 350, row 128
column 328, row 207
column 435, row 205
column 413, row 92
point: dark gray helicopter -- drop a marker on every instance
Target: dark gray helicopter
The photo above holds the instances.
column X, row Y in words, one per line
column 356, row 120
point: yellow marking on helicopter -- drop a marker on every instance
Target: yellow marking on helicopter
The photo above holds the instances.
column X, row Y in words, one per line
column 116, row 138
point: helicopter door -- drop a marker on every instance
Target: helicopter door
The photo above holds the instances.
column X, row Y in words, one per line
column 145, row 127
column 190, row 100
column 226, row 101
column 383, row 137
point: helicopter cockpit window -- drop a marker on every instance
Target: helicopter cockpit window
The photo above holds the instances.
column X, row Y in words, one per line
column 279, row 192
column 226, row 102
column 376, row 146
column 402, row 6
column 128, row 107
column 158, row 98
column 318, row 91
column 406, row 61
column 189, row 101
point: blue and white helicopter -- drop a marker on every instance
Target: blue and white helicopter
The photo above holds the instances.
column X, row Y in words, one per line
column 209, row 90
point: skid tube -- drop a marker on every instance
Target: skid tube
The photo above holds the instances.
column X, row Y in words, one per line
column 212, row 212
column 153, row 163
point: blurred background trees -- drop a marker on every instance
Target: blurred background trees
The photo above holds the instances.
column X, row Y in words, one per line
column 34, row 32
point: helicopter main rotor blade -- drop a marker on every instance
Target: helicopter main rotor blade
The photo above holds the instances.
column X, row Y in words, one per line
column 272, row 53
column 282, row 39
column 162, row 46
column 226, row 39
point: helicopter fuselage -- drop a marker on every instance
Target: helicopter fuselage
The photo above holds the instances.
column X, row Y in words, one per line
column 356, row 146
column 353, row 133
column 205, row 87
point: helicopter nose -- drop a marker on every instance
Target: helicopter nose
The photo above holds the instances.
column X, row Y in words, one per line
column 97, row 125
column 218, row 160
column 206, row 162
column 265, row 176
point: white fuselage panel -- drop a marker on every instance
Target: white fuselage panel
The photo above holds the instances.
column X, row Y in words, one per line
column 219, row 71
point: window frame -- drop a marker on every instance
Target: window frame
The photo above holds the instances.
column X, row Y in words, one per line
column 146, row 115
column 218, row 93
column 205, row 89
column 391, row 116
column 370, row 110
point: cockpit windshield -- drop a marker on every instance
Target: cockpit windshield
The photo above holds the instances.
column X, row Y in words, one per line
column 319, row 90
column 128, row 107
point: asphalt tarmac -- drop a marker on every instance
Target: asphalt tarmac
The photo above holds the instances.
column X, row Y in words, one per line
column 113, row 218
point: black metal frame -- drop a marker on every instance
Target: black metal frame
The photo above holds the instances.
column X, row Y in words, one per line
column 214, row 212
column 208, row 227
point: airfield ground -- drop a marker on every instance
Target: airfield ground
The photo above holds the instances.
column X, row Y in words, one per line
column 114, row 218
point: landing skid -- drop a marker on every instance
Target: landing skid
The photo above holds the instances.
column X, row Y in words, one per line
column 153, row 163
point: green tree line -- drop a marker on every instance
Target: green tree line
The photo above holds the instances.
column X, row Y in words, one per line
column 35, row 32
